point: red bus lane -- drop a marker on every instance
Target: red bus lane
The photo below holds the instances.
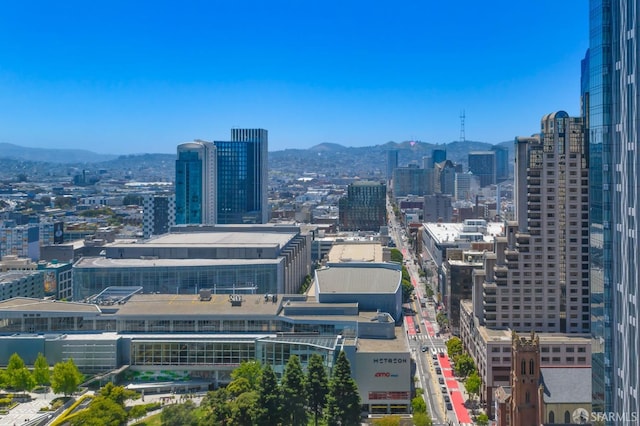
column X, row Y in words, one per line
column 456, row 395
column 410, row 326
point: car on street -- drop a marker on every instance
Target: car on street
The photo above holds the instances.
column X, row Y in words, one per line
column 441, row 380
column 449, row 406
column 424, row 348
column 438, row 370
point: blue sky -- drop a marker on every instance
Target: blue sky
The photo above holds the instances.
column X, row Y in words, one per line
column 123, row 77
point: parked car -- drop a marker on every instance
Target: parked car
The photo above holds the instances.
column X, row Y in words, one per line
column 441, row 380
column 438, row 370
column 449, row 406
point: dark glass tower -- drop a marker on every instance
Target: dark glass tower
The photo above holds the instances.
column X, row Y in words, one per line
column 195, row 181
column 241, row 192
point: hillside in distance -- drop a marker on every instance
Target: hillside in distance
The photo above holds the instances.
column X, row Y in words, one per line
column 51, row 155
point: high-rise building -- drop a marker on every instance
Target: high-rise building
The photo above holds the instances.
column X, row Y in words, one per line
column 467, row 186
column 392, row 164
column 541, row 266
column 483, row 165
column 196, row 183
column 223, row 182
column 411, row 180
column 613, row 116
column 438, row 156
column 364, row 207
column 158, row 214
column 242, row 166
column 502, row 162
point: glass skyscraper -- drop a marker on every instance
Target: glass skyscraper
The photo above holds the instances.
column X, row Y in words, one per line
column 195, row 183
column 611, row 99
column 241, row 192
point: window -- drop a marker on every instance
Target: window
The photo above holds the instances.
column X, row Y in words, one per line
column 523, row 367
column 527, row 397
column 567, row 417
column 552, row 417
column 531, row 365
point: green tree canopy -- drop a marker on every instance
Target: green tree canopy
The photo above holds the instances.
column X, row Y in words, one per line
column 464, row 365
column 101, row 412
column 294, row 393
column 217, row 410
column 473, row 383
column 239, row 386
column 343, row 400
column 250, row 370
column 418, row 405
column 17, row 375
column 317, row 385
column 244, row 409
column 454, row 347
column 66, row 377
column 118, row 394
column 390, row 420
column 422, row 419
column 180, row 415
column 396, row 255
column 41, row 372
column 482, row 419
column 407, row 291
column 269, row 399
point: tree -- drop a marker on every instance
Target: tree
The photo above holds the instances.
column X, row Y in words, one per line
column 269, row 399
column 464, row 365
column 137, row 411
column 472, row 384
column 17, row 375
column 454, row 347
column 391, row 420
column 317, row 385
column 244, row 409
column 101, row 411
column 118, row 394
column 422, row 419
column 482, row 419
column 66, row 377
column 218, row 409
column 41, row 372
column 294, row 394
column 418, row 405
column 239, row 386
column 180, row 415
column 343, row 400
column 396, row 255
column 250, row 370
column 407, row 291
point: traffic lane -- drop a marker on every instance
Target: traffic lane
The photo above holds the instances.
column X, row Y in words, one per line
column 457, row 402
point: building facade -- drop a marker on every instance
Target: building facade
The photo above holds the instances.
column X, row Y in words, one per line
column 483, row 165
column 411, row 180
column 613, row 114
column 242, row 166
column 196, row 180
column 159, row 214
column 364, row 207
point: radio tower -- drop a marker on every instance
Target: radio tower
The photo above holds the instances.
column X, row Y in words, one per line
column 462, row 137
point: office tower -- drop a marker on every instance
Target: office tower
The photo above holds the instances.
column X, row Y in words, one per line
column 467, row 186
column 411, row 180
column 538, row 278
column 364, row 207
column 502, row 162
column 20, row 240
column 242, row 167
column 444, row 177
column 158, row 214
column 437, row 208
column 613, row 118
column 438, row 156
column 483, row 165
column 196, row 183
column 392, row 164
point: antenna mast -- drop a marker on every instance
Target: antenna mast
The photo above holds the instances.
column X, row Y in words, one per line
column 462, row 136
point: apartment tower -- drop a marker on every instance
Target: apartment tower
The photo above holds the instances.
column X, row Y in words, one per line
column 537, row 279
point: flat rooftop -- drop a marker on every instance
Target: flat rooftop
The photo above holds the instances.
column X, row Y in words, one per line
column 399, row 344
column 355, row 251
column 103, row 262
column 218, row 239
column 22, row 304
column 365, row 278
column 449, row 232
column 191, row 305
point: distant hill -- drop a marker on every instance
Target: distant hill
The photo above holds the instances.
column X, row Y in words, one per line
column 51, row 155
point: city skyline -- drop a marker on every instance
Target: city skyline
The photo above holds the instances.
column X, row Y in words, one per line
column 152, row 76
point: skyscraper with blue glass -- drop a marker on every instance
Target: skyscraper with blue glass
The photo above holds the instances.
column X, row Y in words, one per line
column 610, row 102
column 223, row 182
column 195, row 183
column 241, row 193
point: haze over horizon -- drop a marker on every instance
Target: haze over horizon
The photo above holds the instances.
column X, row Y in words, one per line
column 124, row 78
